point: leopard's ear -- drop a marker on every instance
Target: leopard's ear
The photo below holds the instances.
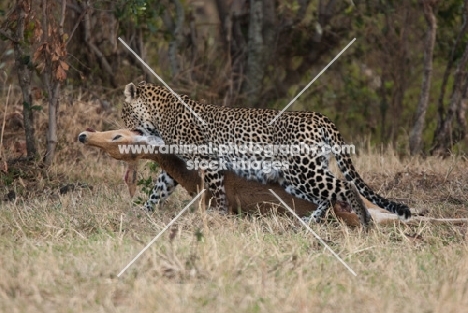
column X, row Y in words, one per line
column 130, row 92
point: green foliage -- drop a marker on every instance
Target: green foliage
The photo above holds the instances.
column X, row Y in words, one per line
column 390, row 41
column 37, row 108
column 199, row 234
column 12, row 175
column 138, row 7
column 146, row 184
column 449, row 20
column 25, row 59
column 140, row 12
column 9, row 178
column 29, row 31
column 29, row 107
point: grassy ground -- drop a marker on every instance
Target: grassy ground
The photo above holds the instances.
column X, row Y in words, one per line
column 62, row 246
column 62, row 252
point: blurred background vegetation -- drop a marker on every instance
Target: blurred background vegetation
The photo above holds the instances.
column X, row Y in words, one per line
column 407, row 64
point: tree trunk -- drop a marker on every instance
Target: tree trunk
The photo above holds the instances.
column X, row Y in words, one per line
column 49, row 75
column 225, row 24
column 397, row 68
column 415, row 138
column 443, row 139
column 269, row 30
column 252, row 85
column 383, row 107
column 444, row 136
column 53, row 90
column 177, row 33
column 448, row 68
column 22, row 63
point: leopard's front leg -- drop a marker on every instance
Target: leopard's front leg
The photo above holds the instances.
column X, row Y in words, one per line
column 164, row 186
column 214, row 180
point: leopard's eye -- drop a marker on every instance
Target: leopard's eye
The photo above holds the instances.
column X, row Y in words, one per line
column 116, row 137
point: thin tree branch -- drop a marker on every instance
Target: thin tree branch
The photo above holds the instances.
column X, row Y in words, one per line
column 7, row 35
column 78, row 21
column 45, row 30
column 101, row 57
column 62, row 18
column 105, row 64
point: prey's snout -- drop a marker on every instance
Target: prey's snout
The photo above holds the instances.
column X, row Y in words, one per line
column 82, row 137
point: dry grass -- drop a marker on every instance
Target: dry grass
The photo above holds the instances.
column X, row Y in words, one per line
column 62, row 252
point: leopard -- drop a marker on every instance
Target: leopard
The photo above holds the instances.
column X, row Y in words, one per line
column 155, row 110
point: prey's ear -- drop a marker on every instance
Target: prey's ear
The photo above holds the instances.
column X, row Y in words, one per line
column 130, row 92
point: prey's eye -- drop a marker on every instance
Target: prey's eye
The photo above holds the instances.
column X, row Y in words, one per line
column 116, row 137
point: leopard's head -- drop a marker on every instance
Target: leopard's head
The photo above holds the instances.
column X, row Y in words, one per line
column 138, row 110
column 134, row 108
column 154, row 109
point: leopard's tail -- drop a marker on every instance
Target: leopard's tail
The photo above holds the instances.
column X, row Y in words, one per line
column 343, row 159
